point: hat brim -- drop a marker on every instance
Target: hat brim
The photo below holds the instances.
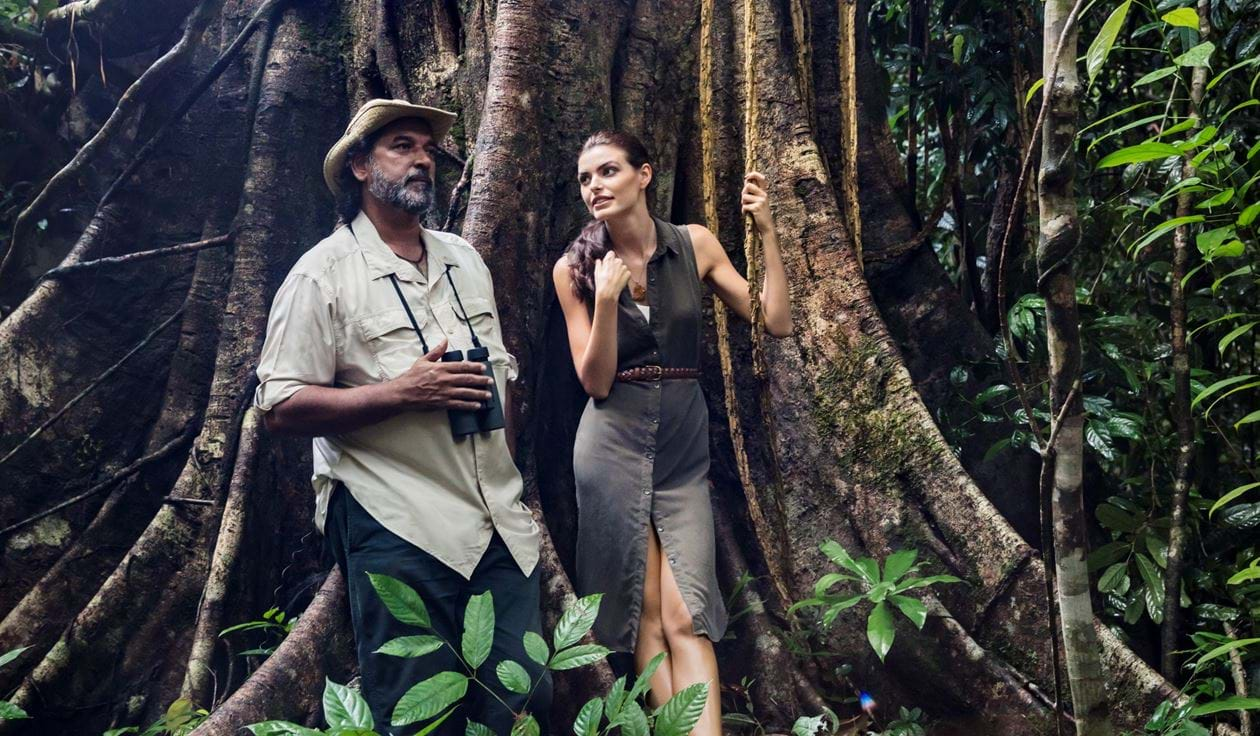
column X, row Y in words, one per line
column 370, row 118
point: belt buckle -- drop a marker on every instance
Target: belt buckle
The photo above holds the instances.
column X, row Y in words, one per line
column 655, row 372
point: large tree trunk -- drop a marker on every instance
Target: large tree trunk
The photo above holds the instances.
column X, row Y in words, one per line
column 108, row 593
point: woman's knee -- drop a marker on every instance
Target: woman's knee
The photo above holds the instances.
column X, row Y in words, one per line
column 676, row 621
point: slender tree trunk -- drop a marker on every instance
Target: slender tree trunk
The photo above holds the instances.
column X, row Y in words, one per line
column 1060, row 232
column 1183, row 419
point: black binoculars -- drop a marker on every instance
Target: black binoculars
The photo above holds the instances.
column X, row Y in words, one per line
column 490, row 415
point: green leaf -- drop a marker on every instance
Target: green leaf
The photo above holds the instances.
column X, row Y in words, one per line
column 1210, row 240
column 810, row 726
column 472, row 728
column 345, row 708
column 960, row 46
column 841, row 557
column 1154, row 587
column 1245, row 575
column 576, row 621
column 913, row 583
column 1216, row 200
column 536, row 648
column 1197, row 56
column 1138, row 153
column 1158, row 549
column 1233, row 335
column 402, row 602
column 1234, row 702
column 1248, row 215
column 430, row 697
column 1114, row 518
column 1232, row 495
column 1033, row 90
column 644, row 681
column 632, row 720
column 1156, row 75
column 1162, row 228
column 478, row 629
column 913, row 608
column 1184, row 17
column 281, row 728
column 587, row 723
column 1113, row 577
column 11, row 655
column 433, row 725
column 879, row 630
column 1252, row 417
column 578, row 656
column 513, row 676
column 526, row 726
column 1224, row 649
column 899, row 563
column 840, row 606
column 680, row 713
column 11, row 712
column 616, row 698
column 1223, row 383
column 1100, row 48
column 410, row 646
column 826, row 581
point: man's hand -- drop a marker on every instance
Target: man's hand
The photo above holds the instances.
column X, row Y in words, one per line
column 430, row 384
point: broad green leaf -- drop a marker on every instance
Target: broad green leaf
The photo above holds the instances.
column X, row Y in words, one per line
column 513, row 676
column 840, row 606
column 879, row 592
column 402, row 602
column 826, row 581
column 1241, row 271
column 1116, row 519
column 1108, row 554
column 879, row 630
column 478, row 629
column 1209, row 241
column 527, row 725
column 587, row 723
column 1233, row 702
column 1252, row 417
column 899, row 563
column 632, row 720
column 1217, row 79
column 536, row 648
column 1154, row 587
column 810, row 726
column 644, row 681
column 281, row 728
column 1184, row 17
column 576, row 621
column 1216, row 200
column 1197, row 56
column 411, row 646
column 914, row 583
column 616, row 698
column 11, row 712
column 841, row 557
column 1233, row 335
column 1156, row 75
column 472, row 728
column 1180, row 127
column 1100, row 48
column 1139, row 153
column 1158, row 549
column 913, row 608
column 1248, row 216
column 578, row 656
column 1224, row 649
column 1162, row 228
column 1244, row 575
column 11, row 655
column 1033, row 90
column 430, row 697
column 1240, row 106
column 960, row 46
column 680, row 713
column 345, row 708
column 1111, row 579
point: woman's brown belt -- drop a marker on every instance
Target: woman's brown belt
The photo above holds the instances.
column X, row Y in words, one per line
column 656, row 373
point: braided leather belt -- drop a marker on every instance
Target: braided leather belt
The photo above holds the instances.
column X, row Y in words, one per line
column 656, row 373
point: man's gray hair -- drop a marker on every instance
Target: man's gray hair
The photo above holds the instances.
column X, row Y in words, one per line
column 350, row 198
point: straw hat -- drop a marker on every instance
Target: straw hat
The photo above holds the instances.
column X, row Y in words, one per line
column 374, row 115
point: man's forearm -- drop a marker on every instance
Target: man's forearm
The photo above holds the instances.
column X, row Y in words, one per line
column 317, row 411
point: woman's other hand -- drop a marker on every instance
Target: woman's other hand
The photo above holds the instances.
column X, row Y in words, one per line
column 611, row 276
column 754, row 201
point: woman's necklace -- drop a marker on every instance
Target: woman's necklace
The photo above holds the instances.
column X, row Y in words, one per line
column 638, row 289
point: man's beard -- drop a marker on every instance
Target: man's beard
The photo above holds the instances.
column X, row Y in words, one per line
column 400, row 193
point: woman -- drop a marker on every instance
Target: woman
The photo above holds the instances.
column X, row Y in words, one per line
column 641, row 458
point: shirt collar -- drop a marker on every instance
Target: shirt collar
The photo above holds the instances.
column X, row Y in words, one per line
column 381, row 261
column 664, row 237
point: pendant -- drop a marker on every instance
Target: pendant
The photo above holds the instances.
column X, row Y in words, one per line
column 638, row 292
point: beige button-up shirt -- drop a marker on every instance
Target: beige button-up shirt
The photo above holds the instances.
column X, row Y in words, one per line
column 337, row 321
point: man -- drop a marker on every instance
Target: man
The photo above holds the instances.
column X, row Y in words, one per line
column 353, row 358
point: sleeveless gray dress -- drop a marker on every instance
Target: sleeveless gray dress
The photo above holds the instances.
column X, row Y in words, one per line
column 641, row 458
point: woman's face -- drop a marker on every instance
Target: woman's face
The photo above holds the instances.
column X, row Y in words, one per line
column 610, row 185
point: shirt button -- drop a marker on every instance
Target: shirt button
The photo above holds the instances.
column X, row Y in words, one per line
column 650, row 455
column 648, row 492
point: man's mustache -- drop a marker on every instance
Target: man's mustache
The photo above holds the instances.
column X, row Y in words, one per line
column 418, row 177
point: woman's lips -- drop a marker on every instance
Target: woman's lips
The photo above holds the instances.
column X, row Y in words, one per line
column 595, row 203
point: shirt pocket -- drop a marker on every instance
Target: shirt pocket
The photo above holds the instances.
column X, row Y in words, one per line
column 481, row 318
column 392, row 341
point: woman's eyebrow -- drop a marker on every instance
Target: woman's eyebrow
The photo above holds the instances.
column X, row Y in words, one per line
column 606, row 163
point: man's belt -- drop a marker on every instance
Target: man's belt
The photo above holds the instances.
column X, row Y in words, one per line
column 656, row 373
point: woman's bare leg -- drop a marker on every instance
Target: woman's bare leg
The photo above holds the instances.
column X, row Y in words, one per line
column 651, row 638
column 692, row 655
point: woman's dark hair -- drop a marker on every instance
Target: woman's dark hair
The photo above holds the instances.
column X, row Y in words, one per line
column 593, row 242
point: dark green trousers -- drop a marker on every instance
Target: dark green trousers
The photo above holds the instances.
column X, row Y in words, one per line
column 361, row 545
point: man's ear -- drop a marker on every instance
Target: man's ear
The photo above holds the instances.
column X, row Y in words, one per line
column 359, row 166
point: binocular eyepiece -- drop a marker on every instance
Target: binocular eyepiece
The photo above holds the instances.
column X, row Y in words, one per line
column 490, row 416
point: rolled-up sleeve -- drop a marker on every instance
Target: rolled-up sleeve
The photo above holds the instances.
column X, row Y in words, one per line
column 506, row 359
column 301, row 346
